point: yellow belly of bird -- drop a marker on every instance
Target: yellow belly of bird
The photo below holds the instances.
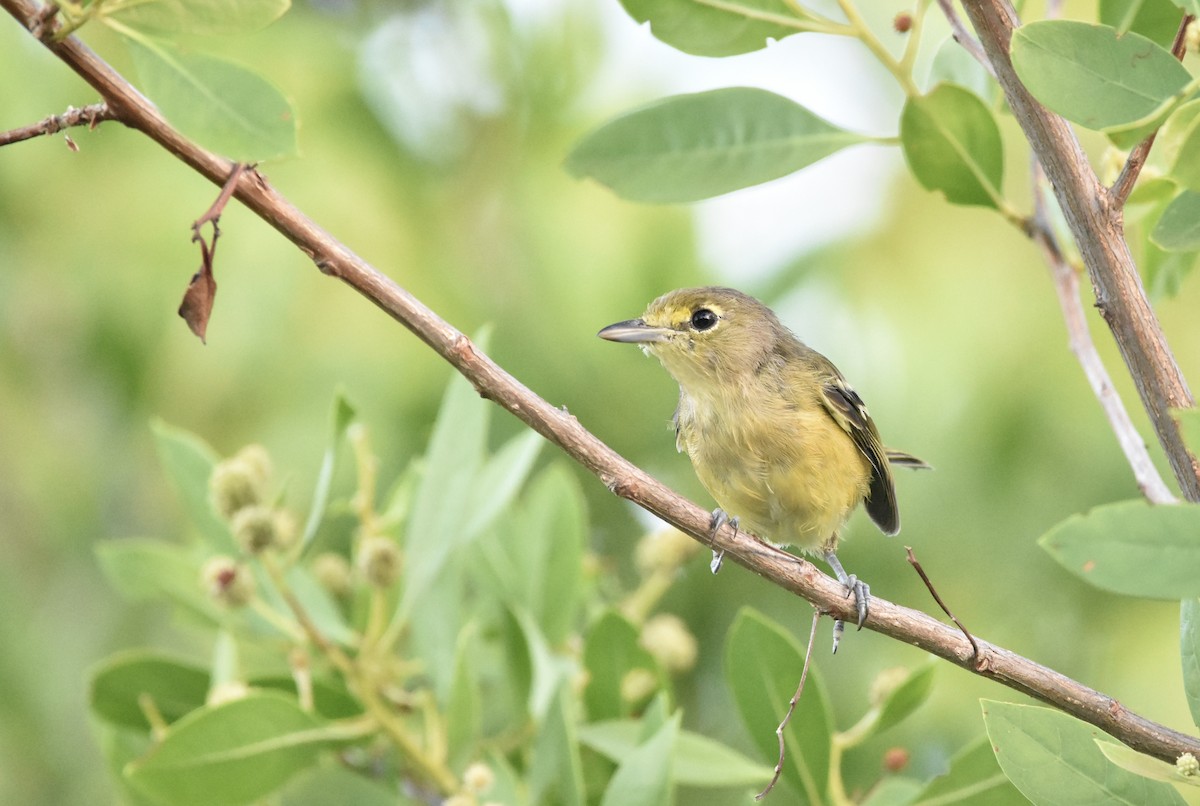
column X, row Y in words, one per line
column 784, row 489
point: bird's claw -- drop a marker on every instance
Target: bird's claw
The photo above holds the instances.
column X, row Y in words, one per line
column 719, row 519
column 854, row 586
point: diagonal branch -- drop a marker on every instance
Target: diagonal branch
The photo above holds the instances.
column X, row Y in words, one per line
column 623, row 478
column 1096, row 221
column 91, row 116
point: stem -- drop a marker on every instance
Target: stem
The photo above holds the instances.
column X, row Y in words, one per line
column 913, row 45
column 865, row 35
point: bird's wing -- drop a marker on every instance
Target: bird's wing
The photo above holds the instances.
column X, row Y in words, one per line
column 849, row 411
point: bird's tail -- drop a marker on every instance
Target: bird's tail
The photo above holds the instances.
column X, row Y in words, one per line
column 902, row 459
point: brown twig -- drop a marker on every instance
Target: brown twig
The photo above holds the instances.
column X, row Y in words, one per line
column 912, row 560
column 962, row 35
column 812, row 639
column 91, row 116
column 620, row 476
column 197, row 304
column 1097, row 225
column 1121, row 188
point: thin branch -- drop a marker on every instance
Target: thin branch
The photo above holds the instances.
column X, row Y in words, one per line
column 1137, row 157
column 912, row 560
column 964, row 37
column 812, row 639
column 91, row 116
column 1096, row 223
column 623, row 478
column 1066, row 286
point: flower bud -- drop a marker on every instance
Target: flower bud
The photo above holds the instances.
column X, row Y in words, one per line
column 664, row 550
column 379, row 561
column 478, row 778
column 1191, row 36
column 227, row 582
column 668, row 639
column 638, row 685
column 895, row 759
column 234, row 485
column 227, row 692
column 258, row 461
column 1187, row 765
column 254, row 529
column 332, row 572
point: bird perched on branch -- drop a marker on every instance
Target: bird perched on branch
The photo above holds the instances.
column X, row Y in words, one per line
column 774, row 432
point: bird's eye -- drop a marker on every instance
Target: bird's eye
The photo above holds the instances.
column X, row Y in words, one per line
column 704, row 319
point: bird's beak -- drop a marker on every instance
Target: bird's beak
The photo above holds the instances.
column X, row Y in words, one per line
column 634, row 331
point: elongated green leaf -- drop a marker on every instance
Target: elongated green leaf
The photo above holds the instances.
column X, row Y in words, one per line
column 224, row 106
column 762, row 668
column 698, row 761
column 712, row 29
column 1178, row 230
column 1133, row 548
column 558, row 522
column 610, row 651
column 208, row 17
column 974, row 779
column 690, row 147
column 464, row 709
column 335, row 784
column 500, row 479
column 906, row 697
column 340, row 418
column 174, row 687
column 645, row 776
column 188, row 462
column 1156, row 20
column 1053, row 759
column 952, row 144
column 231, row 754
column 142, row 569
column 1189, row 650
column 1091, row 76
column 556, row 772
column 1140, row 764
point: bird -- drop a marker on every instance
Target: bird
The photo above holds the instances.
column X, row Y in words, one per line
column 774, row 431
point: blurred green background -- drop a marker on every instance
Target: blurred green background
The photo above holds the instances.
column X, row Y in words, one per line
column 432, row 142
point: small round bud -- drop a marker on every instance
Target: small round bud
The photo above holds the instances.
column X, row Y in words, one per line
column 1187, row 765
column 902, row 22
column 332, row 572
column 478, row 778
column 668, row 639
column 258, row 461
column 885, row 683
column 664, row 550
column 1191, row 36
column 286, row 528
column 895, row 759
column 227, row 582
column 227, row 692
column 254, row 528
column 638, row 685
column 379, row 561
column 233, row 486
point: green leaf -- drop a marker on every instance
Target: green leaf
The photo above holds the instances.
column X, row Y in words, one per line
column 698, row 761
column 762, row 668
column 556, row 772
column 974, row 779
column 143, row 570
column 1137, row 763
column 1053, row 759
column 1189, row 6
column 205, row 17
column 610, row 651
column 231, row 754
column 500, row 479
column 464, row 709
column 224, row 106
column 952, row 144
column 704, row 29
column 556, row 529
column 1165, row 271
column 905, row 698
column 189, row 462
column 1189, row 650
column 1178, row 230
column 646, row 775
column 340, row 418
column 1093, row 77
column 335, row 784
column 1157, row 20
column 1133, row 548
column 118, row 683
column 331, row 700
column 1184, row 168
column 690, row 147
column 1189, row 424
column 894, row 791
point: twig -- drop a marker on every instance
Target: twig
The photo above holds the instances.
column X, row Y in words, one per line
column 912, row 560
column 1066, row 287
column 812, row 639
column 1121, row 188
column 963, row 36
column 197, row 304
column 1097, row 227
column 620, row 476
column 91, row 116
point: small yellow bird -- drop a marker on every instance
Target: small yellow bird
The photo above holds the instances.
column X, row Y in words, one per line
column 774, row 432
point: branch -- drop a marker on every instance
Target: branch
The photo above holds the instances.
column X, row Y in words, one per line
column 623, row 478
column 91, row 116
column 1097, row 224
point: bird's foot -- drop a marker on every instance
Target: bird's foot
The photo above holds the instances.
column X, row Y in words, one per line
column 861, row 591
column 719, row 518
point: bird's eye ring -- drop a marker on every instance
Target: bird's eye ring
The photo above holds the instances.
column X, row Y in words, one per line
column 704, row 319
